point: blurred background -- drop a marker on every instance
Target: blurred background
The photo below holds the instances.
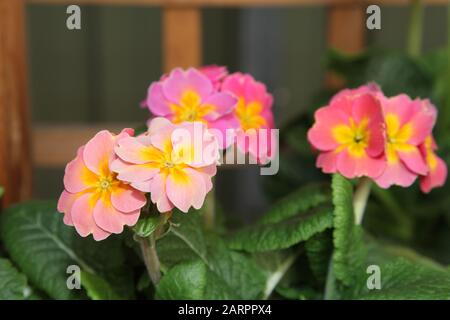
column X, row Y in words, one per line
column 100, row 74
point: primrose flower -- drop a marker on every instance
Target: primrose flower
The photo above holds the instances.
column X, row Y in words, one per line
column 349, row 135
column 215, row 73
column 437, row 169
column 252, row 117
column 190, row 96
column 174, row 162
column 94, row 200
column 408, row 122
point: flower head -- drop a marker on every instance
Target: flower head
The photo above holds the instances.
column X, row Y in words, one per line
column 252, row 116
column 94, row 200
column 408, row 122
column 349, row 135
column 215, row 73
column 437, row 169
column 174, row 162
column 189, row 96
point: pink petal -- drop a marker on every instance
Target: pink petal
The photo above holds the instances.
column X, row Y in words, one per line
column 77, row 176
column 65, row 203
column 435, row 178
column 83, row 220
column 156, row 101
column 422, row 123
column 366, row 107
column 186, row 188
column 127, row 199
column 224, row 130
column 414, row 161
column 223, row 104
column 107, row 217
column 355, row 167
column 99, row 151
column 327, row 161
column 396, row 174
column 179, row 82
column 158, row 193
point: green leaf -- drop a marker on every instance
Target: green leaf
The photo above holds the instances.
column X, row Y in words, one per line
column 2, row 191
column 230, row 275
column 147, row 225
column 319, row 250
column 98, row 288
column 297, row 202
column 349, row 252
column 402, row 279
column 282, row 234
column 185, row 281
column 43, row 247
column 13, row 284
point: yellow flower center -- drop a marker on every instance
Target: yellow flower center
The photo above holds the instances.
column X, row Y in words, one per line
column 249, row 114
column 190, row 108
column 397, row 137
column 353, row 137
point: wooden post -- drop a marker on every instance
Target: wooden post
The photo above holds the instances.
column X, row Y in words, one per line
column 182, row 37
column 346, row 32
column 15, row 160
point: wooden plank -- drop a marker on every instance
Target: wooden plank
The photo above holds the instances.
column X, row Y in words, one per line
column 234, row 3
column 346, row 32
column 15, row 164
column 55, row 145
column 181, row 37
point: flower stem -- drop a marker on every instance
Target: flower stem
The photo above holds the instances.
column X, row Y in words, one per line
column 210, row 210
column 150, row 256
column 330, row 284
column 360, row 199
column 415, row 28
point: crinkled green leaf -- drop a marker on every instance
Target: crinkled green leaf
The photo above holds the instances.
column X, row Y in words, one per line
column 297, row 202
column 185, row 281
column 402, row 279
column 98, row 288
column 43, row 247
column 319, row 250
column 349, row 252
column 282, row 234
column 13, row 284
column 229, row 274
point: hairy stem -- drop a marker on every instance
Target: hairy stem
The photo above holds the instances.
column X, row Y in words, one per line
column 415, row 28
column 330, row 289
column 360, row 199
column 150, row 256
column 210, row 210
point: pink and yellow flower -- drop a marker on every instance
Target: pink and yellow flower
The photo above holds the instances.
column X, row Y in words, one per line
column 349, row 135
column 174, row 162
column 437, row 169
column 252, row 116
column 408, row 122
column 190, row 96
column 94, row 200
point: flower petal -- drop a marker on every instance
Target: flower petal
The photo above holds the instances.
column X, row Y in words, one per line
column 83, row 220
column 77, row 176
column 186, row 188
column 107, row 217
column 354, row 167
column 98, row 152
column 127, row 199
column 180, row 81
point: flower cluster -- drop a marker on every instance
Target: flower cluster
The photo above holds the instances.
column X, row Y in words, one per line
column 105, row 186
column 235, row 106
column 388, row 139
